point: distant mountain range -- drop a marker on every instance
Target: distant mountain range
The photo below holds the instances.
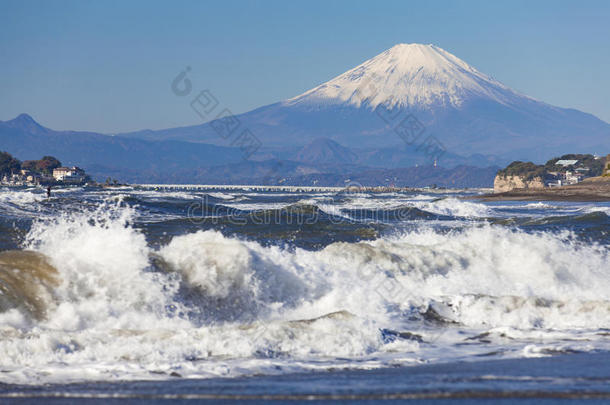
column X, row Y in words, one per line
column 322, row 162
column 392, row 116
column 26, row 139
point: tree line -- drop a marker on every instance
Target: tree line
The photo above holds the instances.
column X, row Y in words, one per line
column 44, row 166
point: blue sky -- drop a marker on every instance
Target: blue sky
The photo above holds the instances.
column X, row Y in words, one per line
column 107, row 65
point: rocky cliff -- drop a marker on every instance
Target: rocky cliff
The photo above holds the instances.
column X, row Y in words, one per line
column 507, row 183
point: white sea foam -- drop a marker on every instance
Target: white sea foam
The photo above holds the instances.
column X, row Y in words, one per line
column 604, row 209
column 21, row 203
column 20, row 197
column 538, row 205
column 255, row 206
column 102, row 262
column 156, row 195
column 456, row 208
column 431, row 204
column 222, row 196
column 224, row 306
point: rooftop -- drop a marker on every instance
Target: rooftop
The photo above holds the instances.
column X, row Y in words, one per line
column 566, row 162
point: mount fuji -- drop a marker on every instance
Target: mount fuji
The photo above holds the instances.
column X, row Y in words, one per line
column 467, row 111
column 369, row 124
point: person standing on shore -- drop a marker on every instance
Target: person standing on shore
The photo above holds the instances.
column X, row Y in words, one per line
column 48, row 191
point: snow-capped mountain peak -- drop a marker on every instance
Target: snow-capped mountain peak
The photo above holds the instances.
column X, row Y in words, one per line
column 408, row 75
column 436, row 98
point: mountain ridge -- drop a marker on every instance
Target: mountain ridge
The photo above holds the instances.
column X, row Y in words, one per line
column 322, row 162
column 26, row 139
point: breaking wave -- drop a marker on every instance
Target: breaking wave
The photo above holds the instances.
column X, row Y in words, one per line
column 90, row 298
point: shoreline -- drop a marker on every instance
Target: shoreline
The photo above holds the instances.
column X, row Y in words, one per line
column 583, row 376
column 595, row 189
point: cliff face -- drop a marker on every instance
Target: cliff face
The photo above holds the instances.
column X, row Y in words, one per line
column 507, row 183
column 607, row 167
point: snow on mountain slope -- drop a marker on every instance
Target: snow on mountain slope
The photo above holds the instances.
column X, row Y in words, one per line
column 467, row 111
column 408, row 75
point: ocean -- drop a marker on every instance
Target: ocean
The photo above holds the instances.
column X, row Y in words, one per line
column 133, row 294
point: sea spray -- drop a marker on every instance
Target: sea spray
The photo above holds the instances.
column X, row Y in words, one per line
column 103, row 265
column 203, row 303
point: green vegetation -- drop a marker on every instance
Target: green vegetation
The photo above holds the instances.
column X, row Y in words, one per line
column 529, row 170
column 14, row 172
column 8, row 164
column 526, row 170
column 596, row 166
column 42, row 166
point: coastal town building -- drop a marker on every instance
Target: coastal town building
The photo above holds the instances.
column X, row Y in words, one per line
column 69, row 174
column 555, row 179
column 60, row 175
column 13, row 179
column 567, row 170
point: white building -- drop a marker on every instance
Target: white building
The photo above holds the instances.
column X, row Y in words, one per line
column 69, row 174
column 573, row 178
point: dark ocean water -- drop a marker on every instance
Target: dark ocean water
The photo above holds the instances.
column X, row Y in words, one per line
column 291, row 296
